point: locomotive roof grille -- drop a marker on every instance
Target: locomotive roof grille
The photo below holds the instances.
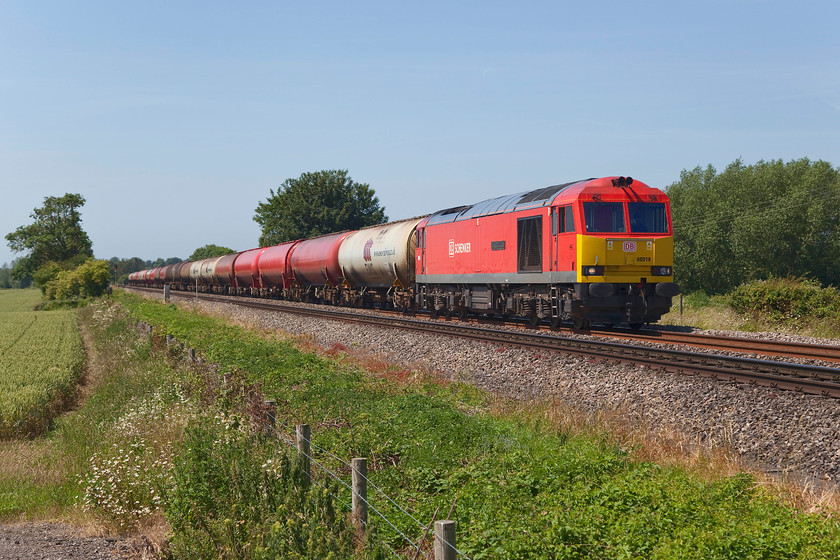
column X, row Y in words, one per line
column 500, row 205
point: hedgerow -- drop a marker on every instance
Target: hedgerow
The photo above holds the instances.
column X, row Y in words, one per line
column 786, row 300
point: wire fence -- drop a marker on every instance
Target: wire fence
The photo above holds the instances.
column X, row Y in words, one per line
column 302, row 444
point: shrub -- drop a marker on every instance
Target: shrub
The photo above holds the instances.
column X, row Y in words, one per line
column 90, row 279
column 786, row 300
column 46, row 274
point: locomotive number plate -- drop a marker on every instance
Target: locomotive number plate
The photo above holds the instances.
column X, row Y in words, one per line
column 629, row 246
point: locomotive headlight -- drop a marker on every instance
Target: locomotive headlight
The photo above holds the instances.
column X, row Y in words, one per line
column 593, row 271
column 660, row 270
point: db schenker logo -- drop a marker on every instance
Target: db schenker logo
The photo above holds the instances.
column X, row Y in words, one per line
column 455, row 248
column 368, row 246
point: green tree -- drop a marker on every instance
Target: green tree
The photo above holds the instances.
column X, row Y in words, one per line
column 208, row 251
column 315, row 204
column 771, row 219
column 6, row 280
column 56, row 235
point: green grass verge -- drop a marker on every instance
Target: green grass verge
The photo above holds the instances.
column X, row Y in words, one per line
column 521, row 489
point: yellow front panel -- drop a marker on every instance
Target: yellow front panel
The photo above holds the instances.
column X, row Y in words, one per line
column 625, row 259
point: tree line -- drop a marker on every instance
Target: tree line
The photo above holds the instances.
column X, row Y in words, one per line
column 755, row 222
column 750, row 222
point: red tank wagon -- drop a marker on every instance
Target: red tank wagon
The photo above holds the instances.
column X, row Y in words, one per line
column 246, row 271
column 275, row 268
column 224, row 272
column 316, row 270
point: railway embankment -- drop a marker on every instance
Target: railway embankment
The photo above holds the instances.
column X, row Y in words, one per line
column 531, row 446
column 173, row 444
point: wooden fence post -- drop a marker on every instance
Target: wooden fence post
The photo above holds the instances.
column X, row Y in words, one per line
column 445, row 540
column 302, row 435
column 271, row 414
column 360, row 490
column 166, row 293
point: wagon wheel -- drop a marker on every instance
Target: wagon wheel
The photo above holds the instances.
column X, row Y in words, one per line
column 635, row 326
column 534, row 319
column 462, row 313
column 410, row 309
column 580, row 323
column 433, row 313
column 448, row 313
column 555, row 322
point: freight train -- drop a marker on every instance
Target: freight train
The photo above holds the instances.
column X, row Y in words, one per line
column 592, row 251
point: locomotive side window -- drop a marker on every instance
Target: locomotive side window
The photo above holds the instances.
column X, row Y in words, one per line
column 648, row 217
column 562, row 220
column 604, row 217
column 570, row 219
column 529, row 244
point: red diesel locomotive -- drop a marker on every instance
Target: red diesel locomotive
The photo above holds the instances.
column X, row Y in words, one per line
column 598, row 250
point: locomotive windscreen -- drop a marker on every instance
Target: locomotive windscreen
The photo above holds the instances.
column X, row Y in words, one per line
column 648, row 217
column 604, row 217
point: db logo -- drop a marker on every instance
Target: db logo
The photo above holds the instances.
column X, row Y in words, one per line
column 629, row 246
column 451, row 247
column 366, row 250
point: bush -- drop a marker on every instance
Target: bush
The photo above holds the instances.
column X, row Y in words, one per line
column 46, row 274
column 786, row 300
column 90, row 279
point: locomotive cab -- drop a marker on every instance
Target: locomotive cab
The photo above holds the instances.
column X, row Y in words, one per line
column 626, row 256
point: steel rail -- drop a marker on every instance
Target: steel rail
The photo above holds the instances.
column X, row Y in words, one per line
column 827, row 353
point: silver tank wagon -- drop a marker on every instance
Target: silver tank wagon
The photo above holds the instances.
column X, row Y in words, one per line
column 379, row 256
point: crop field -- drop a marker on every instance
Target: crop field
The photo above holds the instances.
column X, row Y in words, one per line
column 41, row 358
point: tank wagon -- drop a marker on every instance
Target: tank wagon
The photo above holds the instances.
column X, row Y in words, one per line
column 597, row 250
column 377, row 264
column 316, row 273
column 275, row 270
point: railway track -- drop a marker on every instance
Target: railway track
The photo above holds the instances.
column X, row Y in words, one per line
column 735, row 344
column 811, row 379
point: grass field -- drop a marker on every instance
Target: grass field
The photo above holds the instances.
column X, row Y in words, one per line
column 41, row 358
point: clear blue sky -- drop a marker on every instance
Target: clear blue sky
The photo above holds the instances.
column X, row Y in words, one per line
column 174, row 119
